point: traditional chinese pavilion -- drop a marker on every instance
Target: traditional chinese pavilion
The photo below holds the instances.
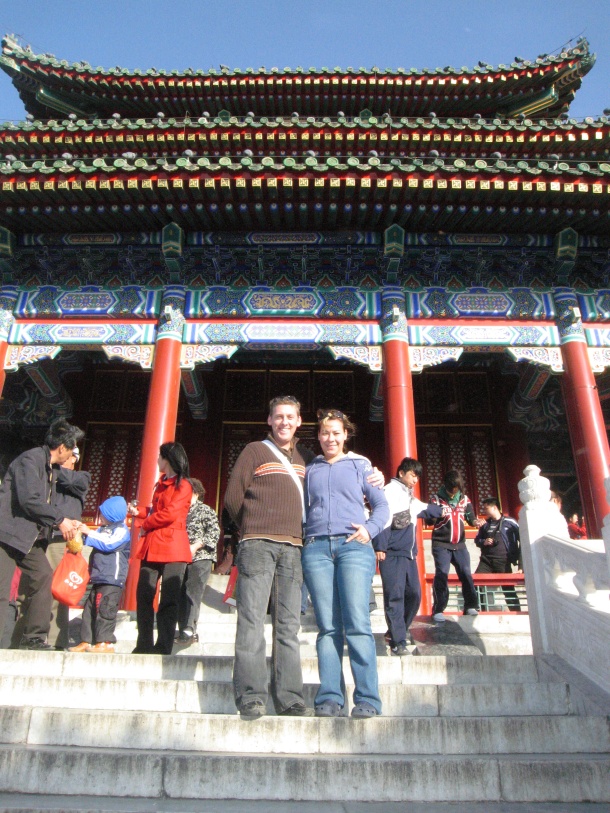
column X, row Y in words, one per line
column 428, row 250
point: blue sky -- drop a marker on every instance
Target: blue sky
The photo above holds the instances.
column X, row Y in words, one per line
column 177, row 34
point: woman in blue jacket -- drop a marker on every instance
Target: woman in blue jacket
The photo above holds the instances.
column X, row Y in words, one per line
column 339, row 565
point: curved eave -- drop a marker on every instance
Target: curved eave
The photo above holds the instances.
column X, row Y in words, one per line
column 484, row 89
column 276, row 197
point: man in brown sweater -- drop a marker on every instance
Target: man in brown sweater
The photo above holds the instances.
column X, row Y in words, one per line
column 265, row 499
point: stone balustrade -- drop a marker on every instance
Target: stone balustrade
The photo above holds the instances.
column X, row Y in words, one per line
column 568, row 583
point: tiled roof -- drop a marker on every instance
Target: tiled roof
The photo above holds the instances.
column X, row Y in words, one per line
column 567, row 139
column 545, row 85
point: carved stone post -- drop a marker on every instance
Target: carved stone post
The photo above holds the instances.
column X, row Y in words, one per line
column 539, row 516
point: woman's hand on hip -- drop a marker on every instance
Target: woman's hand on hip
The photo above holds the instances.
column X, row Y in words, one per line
column 360, row 534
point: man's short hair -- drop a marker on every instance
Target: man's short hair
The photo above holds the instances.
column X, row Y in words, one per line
column 61, row 432
column 280, row 400
column 410, row 464
column 492, row 501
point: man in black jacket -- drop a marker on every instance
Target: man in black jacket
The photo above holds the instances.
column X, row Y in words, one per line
column 27, row 517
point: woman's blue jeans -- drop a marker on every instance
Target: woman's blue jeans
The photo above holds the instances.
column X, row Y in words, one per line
column 339, row 576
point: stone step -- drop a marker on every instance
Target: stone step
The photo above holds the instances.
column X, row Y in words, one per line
column 157, row 730
column 344, row 777
column 437, row 669
column 215, row 697
column 223, row 631
column 34, row 803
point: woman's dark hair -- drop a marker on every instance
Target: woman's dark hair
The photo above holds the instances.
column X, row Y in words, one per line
column 176, row 457
column 452, row 480
column 61, row 432
column 197, row 487
column 324, row 415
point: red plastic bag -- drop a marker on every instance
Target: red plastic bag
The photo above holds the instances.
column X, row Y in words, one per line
column 229, row 596
column 70, row 579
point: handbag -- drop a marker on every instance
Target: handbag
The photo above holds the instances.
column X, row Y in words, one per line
column 229, row 596
column 70, row 579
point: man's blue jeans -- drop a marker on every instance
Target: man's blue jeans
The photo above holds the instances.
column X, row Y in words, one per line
column 338, row 575
column 268, row 571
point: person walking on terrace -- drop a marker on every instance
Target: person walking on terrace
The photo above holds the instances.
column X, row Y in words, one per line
column 449, row 546
column 498, row 539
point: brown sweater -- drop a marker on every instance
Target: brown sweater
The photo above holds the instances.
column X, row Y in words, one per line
column 262, row 498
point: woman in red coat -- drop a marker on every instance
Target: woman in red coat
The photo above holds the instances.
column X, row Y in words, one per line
column 164, row 551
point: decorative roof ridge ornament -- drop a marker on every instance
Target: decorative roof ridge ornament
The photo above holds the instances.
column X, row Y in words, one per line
column 11, row 45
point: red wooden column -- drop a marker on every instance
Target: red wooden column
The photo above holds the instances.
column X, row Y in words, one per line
column 584, row 414
column 159, row 424
column 8, row 299
column 3, row 349
column 399, row 407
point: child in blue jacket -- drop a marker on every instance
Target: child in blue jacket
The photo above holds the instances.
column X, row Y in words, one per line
column 108, row 565
column 396, row 551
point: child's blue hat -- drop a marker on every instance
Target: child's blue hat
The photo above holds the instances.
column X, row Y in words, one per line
column 114, row 509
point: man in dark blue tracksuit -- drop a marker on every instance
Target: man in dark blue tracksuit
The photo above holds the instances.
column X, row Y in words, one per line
column 396, row 550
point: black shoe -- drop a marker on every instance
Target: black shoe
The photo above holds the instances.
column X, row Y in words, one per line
column 296, row 710
column 328, row 709
column 364, row 710
column 401, row 649
column 252, row 710
column 184, row 639
column 36, row 644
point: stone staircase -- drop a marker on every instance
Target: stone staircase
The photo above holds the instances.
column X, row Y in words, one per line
column 124, row 732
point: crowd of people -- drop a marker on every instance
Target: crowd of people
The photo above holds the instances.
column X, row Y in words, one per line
column 326, row 521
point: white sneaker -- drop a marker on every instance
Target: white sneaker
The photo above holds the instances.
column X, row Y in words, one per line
column 472, row 611
column 438, row 617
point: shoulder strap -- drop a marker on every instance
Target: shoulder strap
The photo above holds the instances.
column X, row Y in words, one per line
column 290, row 469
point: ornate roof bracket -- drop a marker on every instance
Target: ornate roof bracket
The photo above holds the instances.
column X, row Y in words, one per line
column 526, row 407
column 45, row 377
column 367, row 355
column 142, row 354
column 7, row 251
column 56, row 101
column 566, row 252
column 193, row 354
column 195, row 394
column 421, row 357
column 545, row 356
column 599, row 358
column 533, row 104
column 172, row 247
column 18, row 355
column 376, row 403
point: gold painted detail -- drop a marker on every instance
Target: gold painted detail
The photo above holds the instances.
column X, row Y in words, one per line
column 282, row 302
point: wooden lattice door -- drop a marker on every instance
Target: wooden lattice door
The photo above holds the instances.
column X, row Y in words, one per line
column 468, row 449
column 112, row 457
